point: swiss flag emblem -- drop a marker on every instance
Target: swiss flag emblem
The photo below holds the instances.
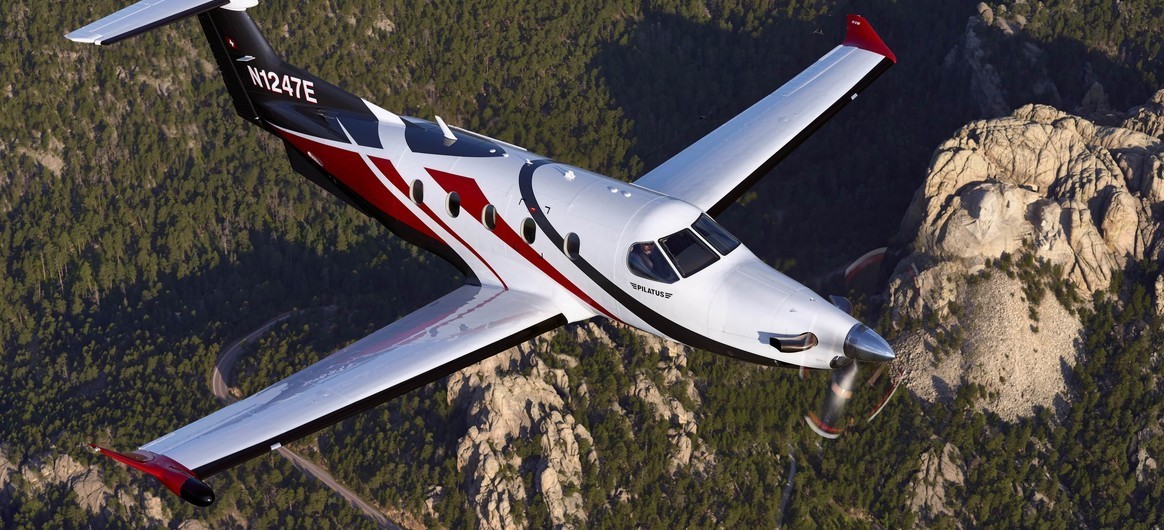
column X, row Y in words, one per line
column 230, row 42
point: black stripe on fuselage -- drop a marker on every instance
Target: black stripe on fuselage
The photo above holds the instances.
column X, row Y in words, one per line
column 669, row 327
column 415, row 382
column 800, row 137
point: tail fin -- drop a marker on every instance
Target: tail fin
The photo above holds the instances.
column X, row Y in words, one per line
column 265, row 89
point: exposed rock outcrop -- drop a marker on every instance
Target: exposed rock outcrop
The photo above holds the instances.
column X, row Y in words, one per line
column 504, row 405
column 1079, row 194
column 1142, row 453
column 1082, row 198
column 518, row 397
column 937, row 473
column 1148, row 118
column 986, row 56
column 86, row 482
column 682, row 433
column 1020, row 363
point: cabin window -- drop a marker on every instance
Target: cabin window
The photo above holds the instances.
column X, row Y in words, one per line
column 689, row 253
column 416, row 191
column 489, row 217
column 570, row 245
column 453, row 204
column 645, row 260
column 721, row 239
column 529, row 230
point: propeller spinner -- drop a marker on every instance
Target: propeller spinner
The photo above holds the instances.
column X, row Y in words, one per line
column 863, row 346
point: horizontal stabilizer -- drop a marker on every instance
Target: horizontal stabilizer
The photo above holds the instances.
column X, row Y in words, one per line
column 141, row 17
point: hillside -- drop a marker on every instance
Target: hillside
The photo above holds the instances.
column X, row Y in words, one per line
column 145, row 227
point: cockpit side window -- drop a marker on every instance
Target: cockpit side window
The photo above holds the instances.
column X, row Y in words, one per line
column 646, row 261
column 721, row 239
column 689, row 253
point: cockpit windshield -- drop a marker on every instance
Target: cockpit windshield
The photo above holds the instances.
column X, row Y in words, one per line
column 721, row 239
column 686, row 251
column 646, row 261
column 689, row 253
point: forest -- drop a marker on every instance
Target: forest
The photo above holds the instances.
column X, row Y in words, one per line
column 145, row 226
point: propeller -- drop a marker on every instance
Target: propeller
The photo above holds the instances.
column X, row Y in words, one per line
column 864, row 350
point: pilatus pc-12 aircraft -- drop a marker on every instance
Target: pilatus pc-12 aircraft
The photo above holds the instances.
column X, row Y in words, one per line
column 541, row 243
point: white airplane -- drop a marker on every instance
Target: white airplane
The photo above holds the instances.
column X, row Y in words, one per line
column 541, row 243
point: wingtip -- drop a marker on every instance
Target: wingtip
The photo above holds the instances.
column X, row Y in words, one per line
column 83, row 38
column 173, row 475
column 860, row 34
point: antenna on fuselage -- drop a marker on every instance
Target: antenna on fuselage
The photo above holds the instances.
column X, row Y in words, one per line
column 449, row 138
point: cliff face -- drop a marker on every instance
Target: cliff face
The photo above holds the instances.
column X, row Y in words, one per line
column 515, row 396
column 1073, row 200
column 524, row 418
column 90, row 489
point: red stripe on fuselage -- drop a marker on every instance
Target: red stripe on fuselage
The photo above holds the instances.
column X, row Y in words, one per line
column 473, row 200
column 389, row 170
column 349, row 168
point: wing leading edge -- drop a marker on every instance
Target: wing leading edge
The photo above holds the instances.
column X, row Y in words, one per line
column 461, row 328
column 714, row 171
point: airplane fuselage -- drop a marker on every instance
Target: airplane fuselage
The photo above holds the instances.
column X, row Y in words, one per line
column 517, row 220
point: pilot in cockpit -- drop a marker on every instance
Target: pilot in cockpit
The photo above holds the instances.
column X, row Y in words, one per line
column 648, row 262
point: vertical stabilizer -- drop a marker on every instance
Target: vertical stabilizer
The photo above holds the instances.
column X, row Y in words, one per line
column 265, row 89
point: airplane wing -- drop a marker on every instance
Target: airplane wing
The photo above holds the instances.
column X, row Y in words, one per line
column 713, row 172
column 459, row 329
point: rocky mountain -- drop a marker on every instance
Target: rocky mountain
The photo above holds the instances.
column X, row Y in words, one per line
column 93, row 495
column 1013, row 207
column 525, row 394
column 1014, row 53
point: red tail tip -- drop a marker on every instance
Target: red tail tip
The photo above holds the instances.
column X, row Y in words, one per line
column 860, row 34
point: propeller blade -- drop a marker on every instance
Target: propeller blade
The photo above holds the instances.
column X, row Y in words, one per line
column 829, row 423
column 897, row 379
column 842, row 303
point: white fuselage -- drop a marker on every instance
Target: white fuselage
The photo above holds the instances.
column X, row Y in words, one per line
column 731, row 307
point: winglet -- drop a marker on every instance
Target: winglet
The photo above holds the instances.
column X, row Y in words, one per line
column 860, row 34
column 183, row 482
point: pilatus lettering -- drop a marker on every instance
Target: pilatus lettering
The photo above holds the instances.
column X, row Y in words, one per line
column 288, row 85
column 648, row 290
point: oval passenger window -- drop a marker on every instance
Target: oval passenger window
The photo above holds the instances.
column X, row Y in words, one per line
column 453, row 204
column 489, row 217
column 570, row 246
column 416, row 191
column 529, row 230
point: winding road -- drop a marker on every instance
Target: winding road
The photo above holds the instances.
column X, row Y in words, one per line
column 222, row 391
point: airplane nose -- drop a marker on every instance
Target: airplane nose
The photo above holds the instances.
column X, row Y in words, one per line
column 864, row 344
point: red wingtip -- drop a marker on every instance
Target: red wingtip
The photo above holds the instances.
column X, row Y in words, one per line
column 176, row 477
column 860, row 34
